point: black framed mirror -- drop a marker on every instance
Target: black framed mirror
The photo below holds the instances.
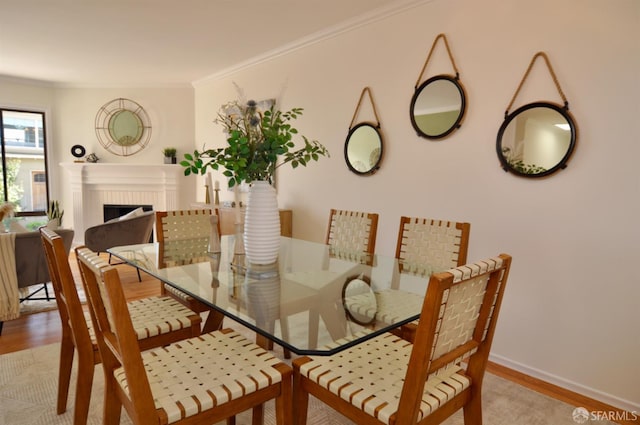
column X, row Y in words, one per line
column 438, row 106
column 363, row 148
column 536, row 140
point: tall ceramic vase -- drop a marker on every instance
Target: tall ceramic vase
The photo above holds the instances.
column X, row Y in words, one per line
column 262, row 224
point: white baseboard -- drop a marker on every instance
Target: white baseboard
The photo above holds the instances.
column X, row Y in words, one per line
column 567, row 384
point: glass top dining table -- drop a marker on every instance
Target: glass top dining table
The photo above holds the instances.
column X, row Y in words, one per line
column 308, row 301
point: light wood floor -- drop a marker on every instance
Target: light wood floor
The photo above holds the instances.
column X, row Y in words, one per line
column 38, row 329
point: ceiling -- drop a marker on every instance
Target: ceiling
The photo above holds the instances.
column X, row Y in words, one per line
column 145, row 43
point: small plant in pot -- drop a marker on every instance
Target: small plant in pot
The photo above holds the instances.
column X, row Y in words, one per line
column 55, row 214
column 169, row 155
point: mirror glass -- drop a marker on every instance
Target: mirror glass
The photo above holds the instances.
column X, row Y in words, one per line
column 125, row 127
column 363, row 149
column 536, row 140
column 437, row 107
column 359, row 301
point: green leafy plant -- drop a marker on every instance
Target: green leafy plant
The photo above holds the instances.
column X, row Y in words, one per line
column 258, row 142
column 521, row 166
column 54, row 212
column 169, row 152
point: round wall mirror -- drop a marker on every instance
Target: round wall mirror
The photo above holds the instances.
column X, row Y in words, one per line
column 438, row 106
column 536, row 140
column 363, row 149
column 359, row 301
column 123, row 127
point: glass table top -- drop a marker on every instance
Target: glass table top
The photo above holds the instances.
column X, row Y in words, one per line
column 308, row 301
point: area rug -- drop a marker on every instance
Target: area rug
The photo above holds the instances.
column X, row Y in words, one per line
column 28, row 388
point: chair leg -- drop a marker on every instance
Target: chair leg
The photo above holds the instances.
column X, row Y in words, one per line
column 67, row 351
column 213, row 321
column 284, row 330
column 284, row 402
column 112, row 404
column 300, row 401
column 231, row 420
column 473, row 409
column 86, row 368
column 257, row 417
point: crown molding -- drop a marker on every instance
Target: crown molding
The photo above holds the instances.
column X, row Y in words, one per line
column 327, row 33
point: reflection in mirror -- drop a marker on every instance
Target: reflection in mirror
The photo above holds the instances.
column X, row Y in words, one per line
column 359, row 301
column 363, row 149
column 536, row 140
column 437, row 107
column 125, row 127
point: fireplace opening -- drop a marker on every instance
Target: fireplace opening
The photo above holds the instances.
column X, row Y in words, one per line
column 111, row 211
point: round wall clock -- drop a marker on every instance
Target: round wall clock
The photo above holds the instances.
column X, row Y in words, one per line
column 123, row 127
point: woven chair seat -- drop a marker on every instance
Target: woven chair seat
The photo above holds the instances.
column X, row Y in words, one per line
column 391, row 305
column 158, row 315
column 200, row 373
column 370, row 376
column 152, row 316
column 176, row 293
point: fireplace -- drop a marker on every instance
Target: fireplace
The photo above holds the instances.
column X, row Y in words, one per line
column 95, row 185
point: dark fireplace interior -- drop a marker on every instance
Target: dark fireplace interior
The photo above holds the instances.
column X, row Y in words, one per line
column 111, row 211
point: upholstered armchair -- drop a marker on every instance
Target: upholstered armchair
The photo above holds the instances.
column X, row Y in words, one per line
column 130, row 229
column 118, row 232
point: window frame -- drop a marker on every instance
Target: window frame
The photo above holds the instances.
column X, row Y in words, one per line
column 3, row 157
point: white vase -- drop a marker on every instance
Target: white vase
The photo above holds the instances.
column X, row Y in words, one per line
column 262, row 224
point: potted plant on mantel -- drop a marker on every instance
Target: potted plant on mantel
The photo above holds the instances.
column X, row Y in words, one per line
column 169, row 155
column 258, row 143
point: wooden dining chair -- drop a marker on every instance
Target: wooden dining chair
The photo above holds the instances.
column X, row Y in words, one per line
column 351, row 235
column 389, row 380
column 157, row 320
column 351, row 238
column 425, row 246
column 184, row 237
column 204, row 379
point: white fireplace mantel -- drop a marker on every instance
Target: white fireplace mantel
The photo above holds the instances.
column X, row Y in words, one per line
column 94, row 185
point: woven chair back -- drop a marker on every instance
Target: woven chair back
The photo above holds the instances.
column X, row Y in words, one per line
column 352, row 235
column 184, row 236
column 427, row 246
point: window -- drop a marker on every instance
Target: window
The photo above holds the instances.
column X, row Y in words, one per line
column 23, row 161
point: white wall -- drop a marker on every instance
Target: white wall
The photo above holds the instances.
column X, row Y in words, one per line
column 570, row 314
column 71, row 116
